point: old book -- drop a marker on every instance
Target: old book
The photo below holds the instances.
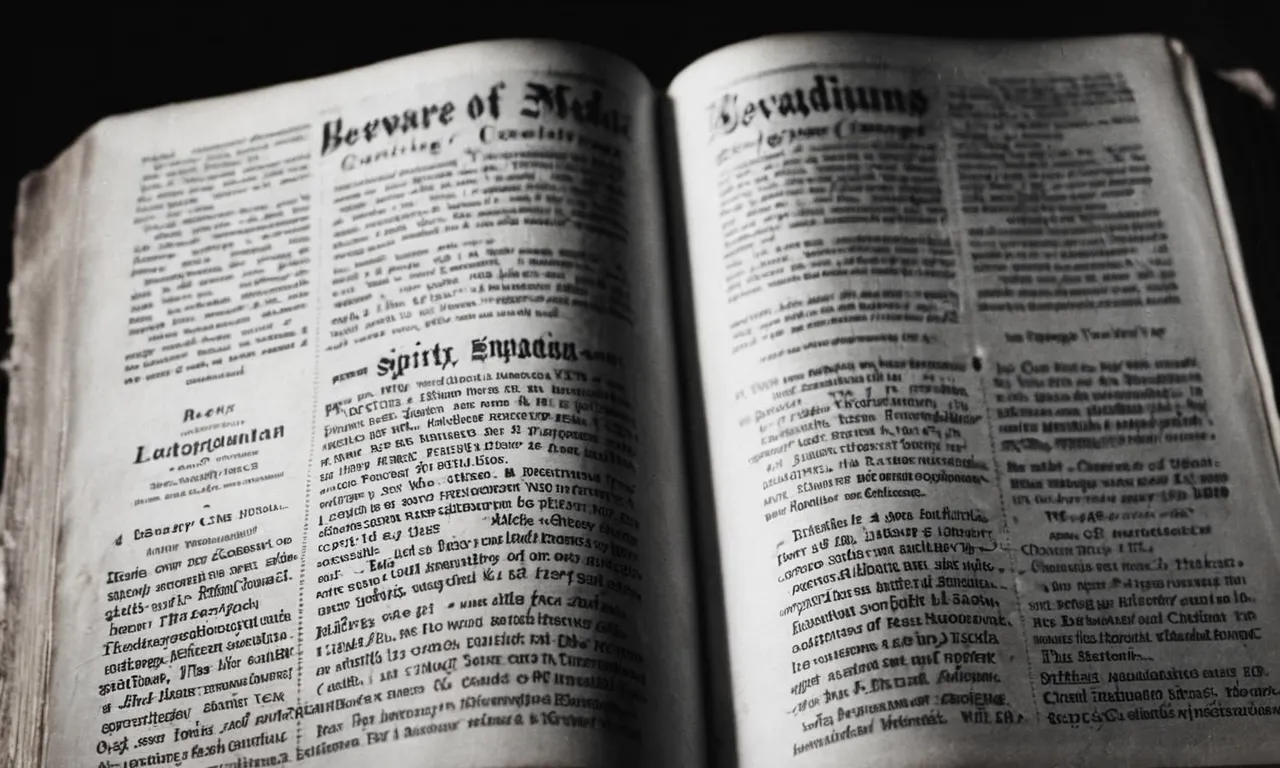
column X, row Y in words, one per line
column 850, row 401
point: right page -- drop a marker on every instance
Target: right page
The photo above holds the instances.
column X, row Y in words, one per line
column 992, row 474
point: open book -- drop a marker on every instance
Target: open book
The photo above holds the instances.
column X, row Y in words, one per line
column 853, row 401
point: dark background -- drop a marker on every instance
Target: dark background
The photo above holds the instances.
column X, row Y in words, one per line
column 69, row 72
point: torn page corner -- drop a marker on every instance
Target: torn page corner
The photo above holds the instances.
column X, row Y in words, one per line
column 1251, row 83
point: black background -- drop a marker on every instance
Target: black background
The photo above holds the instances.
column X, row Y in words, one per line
column 68, row 71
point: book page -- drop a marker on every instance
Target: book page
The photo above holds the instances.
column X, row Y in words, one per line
column 371, row 440
column 992, row 472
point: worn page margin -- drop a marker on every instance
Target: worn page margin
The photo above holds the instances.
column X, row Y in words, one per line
column 1199, row 116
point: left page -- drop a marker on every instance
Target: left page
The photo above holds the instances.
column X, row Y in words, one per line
column 371, row 450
